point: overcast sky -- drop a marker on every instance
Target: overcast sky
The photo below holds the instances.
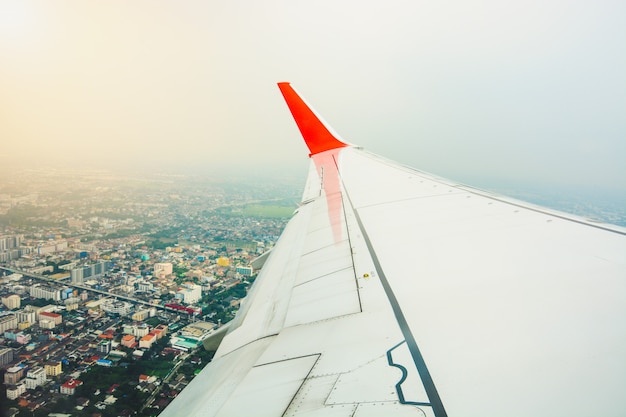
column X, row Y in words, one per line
column 483, row 91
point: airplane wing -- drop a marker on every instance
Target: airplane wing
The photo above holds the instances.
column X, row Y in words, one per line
column 393, row 292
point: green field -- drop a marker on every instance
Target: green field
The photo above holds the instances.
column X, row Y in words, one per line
column 274, row 212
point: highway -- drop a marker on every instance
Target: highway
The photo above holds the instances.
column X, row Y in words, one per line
column 87, row 288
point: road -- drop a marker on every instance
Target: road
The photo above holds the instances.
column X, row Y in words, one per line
column 87, row 288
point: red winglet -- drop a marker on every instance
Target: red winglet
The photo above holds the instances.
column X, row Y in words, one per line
column 315, row 133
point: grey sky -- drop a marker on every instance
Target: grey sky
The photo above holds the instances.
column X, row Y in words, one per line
column 530, row 91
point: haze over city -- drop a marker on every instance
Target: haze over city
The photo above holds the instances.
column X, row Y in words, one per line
column 492, row 94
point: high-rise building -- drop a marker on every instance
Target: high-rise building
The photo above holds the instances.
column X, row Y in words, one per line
column 79, row 275
column 14, row 391
column 35, row 377
column 10, row 248
column 104, row 347
column 45, row 292
column 162, row 269
column 6, row 356
column 26, row 316
column 13, row 374
column 8, row 321
column 190, row 293
column 53, row 368
column 10, row 242
column 11, row 301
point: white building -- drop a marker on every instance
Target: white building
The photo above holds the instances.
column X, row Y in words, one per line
column 45, row 292
column 11, row 301
column 116, row 307
column 35, row 377
column 26, row 316
column 136, row 330
column 51, row 247
column 144, row 286
column 190, row 293
column 8, row 321
column 14, row 391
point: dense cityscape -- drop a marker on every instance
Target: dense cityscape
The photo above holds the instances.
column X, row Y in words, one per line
column 111, row 284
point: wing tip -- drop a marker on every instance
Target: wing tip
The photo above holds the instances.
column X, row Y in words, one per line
column 317, row 135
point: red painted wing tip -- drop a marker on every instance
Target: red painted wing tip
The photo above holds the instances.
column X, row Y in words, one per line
column 316, row 134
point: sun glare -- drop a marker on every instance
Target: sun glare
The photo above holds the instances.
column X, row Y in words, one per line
column 15, row 18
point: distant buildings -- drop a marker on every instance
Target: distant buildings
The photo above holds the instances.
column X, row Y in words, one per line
column 10, row 248
column 51, row 247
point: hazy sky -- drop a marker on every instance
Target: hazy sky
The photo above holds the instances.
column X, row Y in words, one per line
column 525, row 91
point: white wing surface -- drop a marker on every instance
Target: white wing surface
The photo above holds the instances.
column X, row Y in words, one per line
column 396, row 293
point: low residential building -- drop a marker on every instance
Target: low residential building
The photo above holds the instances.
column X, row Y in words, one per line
column 141, row 315
column 17, row 336
column 47, row 324
column 69, row 387
column 147, row 341
column 116, row 307
column 246, row 271
column 53, row 368
column 160, row 331
column 104, row 347
column 56, row 318
column 128, row 340
column 138, row 330
column 14, row 391
column 104, row 362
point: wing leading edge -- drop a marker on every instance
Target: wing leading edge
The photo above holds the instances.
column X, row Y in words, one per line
column 394, row 292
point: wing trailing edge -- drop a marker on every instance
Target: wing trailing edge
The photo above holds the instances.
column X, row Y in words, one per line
column 318, row 136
